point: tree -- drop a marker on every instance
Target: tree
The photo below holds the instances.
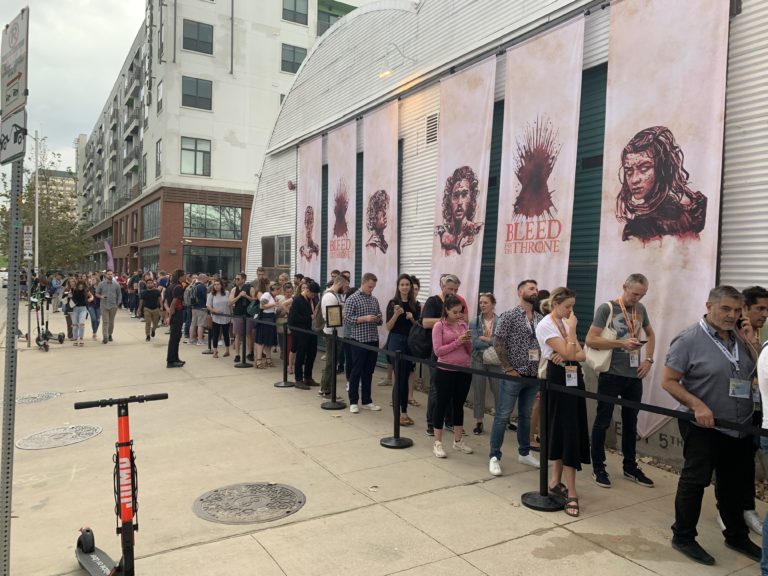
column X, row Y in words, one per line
column 64, row 241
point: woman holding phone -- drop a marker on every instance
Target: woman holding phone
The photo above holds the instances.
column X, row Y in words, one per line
column 402, row 313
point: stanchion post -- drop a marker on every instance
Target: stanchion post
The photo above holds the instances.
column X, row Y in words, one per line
column 541, row 500
column 396, row 441
column 209, row 350
column 333, row 403
column 286, row 353
column 243, row 361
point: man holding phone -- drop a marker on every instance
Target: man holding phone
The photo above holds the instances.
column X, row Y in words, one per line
column 624, row 377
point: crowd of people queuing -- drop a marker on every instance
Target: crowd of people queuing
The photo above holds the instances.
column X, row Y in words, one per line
column 716, row 369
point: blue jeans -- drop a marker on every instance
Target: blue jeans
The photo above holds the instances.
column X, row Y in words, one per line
column 628, row 389
column 95, row 314
column 78, row 322
column 509, row 393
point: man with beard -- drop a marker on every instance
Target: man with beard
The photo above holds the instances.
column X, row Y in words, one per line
column 176, row 318
column 458, row 229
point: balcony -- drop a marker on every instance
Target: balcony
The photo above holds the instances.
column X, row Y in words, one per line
column 132, row 82
column 114, row 143
column 113, row 117
column 131, row 159
column 98, row 166
column 131, row 122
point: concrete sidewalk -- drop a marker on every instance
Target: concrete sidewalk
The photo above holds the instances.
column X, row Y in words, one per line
column 369, row 510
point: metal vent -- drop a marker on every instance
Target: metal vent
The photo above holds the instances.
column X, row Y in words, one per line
column 431, row 131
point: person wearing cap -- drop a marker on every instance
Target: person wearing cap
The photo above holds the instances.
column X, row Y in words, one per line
column 300, row 316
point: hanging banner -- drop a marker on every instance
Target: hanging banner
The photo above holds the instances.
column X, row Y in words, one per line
column 308, row 209
column 380, row 201
column 662, row 166
column 466, row 117
column 342, row 175
column 538, row 165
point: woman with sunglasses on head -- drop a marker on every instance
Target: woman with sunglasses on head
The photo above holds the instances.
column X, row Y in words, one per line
column 483, row 327
column 266, row 331
column 218, row 306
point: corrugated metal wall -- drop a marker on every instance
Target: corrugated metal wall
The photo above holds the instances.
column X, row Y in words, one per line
column 744, row 257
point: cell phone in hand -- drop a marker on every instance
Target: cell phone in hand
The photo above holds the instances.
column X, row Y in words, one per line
column 643, row 341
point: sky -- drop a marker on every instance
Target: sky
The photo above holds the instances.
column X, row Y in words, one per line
column 76, row 50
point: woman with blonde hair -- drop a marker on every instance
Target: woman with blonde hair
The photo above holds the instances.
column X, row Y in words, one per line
column 483, row 327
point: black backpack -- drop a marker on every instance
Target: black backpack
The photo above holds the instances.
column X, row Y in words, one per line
column 420, row 341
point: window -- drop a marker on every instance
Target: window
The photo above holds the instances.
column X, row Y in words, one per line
column 150, row 220
column 284, row 251
column 150, row 258
column 134, row 226
column 196, row 93
column 324, row 21
column 210, row 260
column 295, row 11
column 292, row 58
column 276, row 251
column 195, row 156
column 161, row 35
column 198, row 37
column 159, row 96
column 158, row 158
column 144, row 171
column 204, row 221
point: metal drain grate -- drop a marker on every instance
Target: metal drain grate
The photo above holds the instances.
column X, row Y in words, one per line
column 35, row 398
column 249, row 503
column 57, row 437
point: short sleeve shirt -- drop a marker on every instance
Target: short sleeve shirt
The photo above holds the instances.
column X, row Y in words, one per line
column 519, row 337
column 545, row 330
column 619, row 356
column 433, row 308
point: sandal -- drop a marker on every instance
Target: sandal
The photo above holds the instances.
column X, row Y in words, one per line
column 215, row 353
column 559, row 491
column 260, row 364
column 413, row 402
column 269, row 363
column 572, row 507
column 405, row 420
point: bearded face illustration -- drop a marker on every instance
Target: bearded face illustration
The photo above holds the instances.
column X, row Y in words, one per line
column 536, row 157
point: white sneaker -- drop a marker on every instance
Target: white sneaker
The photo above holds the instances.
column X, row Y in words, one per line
column 461, row 446
column 720, row 522
column 200, row 343
column 354, row 408
column 186, row 340
column 372, row 407
column 753, row 521
column 437, row 450
column 529, row 459
column 494, row 466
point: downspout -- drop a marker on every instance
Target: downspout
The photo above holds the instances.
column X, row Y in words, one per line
column 232, row 39
column 175, row 6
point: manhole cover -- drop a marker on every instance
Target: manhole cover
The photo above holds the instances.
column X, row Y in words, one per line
column 56, row 437
column 35, row 398
column 249, row 503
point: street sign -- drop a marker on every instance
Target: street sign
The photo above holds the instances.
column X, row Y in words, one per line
column 13, row 141
column 13, row 54
column 28, row 239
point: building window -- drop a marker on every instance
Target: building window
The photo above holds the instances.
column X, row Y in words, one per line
column 276, row 251
column 144, row 171
column 159, row 96
column 158, row 158
column 195, row 156
column 161, row 35
column 198, row 37
column 211, row 260
column 134, row 226
column 324, row 21
column 292, row 58
column 295, row 11
column 205, row 221
column 196, row 93
column 150, row 220
column 284, row 251
column 150, row 258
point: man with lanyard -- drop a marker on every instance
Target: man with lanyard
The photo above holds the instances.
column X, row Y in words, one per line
column 709, row 371
column 332, row 297
column 518, row 351
column 624, row 377
column 176, row 320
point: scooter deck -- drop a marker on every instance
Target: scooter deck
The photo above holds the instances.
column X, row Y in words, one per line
column 97, row 562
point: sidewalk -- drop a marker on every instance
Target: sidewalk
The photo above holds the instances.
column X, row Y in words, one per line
column 369, row 510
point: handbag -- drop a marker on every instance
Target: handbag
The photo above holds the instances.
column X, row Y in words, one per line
column 490, row 357
column 419, row 341
column 600, row 360
column 254, row 307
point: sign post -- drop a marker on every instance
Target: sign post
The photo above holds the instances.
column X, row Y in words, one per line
column 13, row 92
column 27, row 259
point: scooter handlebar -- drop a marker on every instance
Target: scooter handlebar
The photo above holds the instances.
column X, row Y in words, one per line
column 104, row 403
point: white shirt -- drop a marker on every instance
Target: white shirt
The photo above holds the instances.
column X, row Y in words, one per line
column 266, row 298
column 762, row 380
column 545, row 330
column 329, row 299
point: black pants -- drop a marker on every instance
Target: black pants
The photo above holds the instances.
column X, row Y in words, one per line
column 451, row 392
column 361, row 374
column 306, row 350
column 628, row 389
column 706, row 450
column 176, row 323
column 216, row 331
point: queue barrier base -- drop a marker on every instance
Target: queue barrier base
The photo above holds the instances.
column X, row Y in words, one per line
column 535, row 501
column 396, row 443
column 283, row 384
column 333, row 405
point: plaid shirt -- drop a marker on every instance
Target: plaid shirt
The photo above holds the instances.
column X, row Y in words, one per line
column 361, row 304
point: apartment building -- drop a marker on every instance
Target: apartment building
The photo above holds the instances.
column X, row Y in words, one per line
column 167, row 174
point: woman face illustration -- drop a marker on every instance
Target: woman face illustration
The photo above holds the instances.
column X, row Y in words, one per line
column 640, row 173
column 460, row 198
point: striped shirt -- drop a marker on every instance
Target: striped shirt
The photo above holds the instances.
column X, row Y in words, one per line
column 361, row 304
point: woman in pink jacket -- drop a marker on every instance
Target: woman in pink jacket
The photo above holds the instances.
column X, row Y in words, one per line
column 452, row 343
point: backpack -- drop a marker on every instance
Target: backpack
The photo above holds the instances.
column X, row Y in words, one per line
column 190, row 295
column 420, row 341
column 318, row 321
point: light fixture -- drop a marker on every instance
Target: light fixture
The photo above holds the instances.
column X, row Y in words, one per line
column 386, row 73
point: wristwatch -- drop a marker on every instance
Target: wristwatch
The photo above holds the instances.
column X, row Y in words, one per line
column 649, row 360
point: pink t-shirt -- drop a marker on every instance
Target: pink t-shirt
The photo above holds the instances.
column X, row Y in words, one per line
column 446, row 344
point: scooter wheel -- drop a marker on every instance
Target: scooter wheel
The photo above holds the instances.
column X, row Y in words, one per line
column 39, row 341
column 46, row 347
column 86, row 541
column 61, row 338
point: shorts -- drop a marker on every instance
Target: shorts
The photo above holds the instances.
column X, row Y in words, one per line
column 237, row 326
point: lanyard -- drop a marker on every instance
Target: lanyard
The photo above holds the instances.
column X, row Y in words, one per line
column 488, row 326
column 560, row 328
column 631, row 324
column 733, row 357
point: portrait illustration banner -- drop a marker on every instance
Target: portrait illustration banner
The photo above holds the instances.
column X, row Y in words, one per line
column 380, row 201
column 342, row 174
column 662, row 166
column 538, row 166
column 308, row 208
column 466, row 117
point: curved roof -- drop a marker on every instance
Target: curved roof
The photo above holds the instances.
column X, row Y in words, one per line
column 415, row 40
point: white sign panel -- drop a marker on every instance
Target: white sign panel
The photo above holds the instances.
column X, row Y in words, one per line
column 13, row 140
column 28, row 233
column 13, row 91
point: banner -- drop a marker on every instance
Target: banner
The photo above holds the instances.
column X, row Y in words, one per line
column 380, row 200
column 662, row 165
column 308, row 209
column 466, row 117
column 342, row 204
column 538, row 165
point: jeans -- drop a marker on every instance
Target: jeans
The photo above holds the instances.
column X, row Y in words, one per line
column 95, row 314
column 764, row 560
column 509, row 393
column 399, row 343
column 479, row 385
column 187, row 320
column 78, row 322
column 628, row 389
column 361, row 376
column 217, row 331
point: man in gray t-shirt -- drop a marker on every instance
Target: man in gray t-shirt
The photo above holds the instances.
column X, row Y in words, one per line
column 110, row 295
column 624, row 377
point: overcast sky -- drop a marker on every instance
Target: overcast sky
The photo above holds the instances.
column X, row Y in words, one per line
column 76, row 49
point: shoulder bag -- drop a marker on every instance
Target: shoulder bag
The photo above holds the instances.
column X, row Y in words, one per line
column 419, row 341
column 600, row 360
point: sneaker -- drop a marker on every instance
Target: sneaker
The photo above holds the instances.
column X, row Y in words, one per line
column 494, row 466
column 638, row 477
column 186, row 340
column 430, row 431
column 529, row 460
column 146, row 339
column 249, row 356
column 512, row 426
column 461, row 446
column 693, row 551
column 237, row 359
column 152, row 333
column 384, row 382
column 753, row 521
column 448, row 427
column 601, row 479
column 372, row 407
column 354, row 408
column 200, row 343
column 720, row 521
column 437, row 450
column 110, row 338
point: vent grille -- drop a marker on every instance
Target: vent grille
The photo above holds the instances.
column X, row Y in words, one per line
column 431, row 128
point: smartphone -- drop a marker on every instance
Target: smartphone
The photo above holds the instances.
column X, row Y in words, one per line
column 643, row 341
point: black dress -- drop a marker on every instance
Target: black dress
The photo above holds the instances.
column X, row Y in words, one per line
column 568, row 428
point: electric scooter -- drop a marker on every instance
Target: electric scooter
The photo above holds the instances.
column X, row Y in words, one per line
column 48, row 334
column 94, row 560
column 40, row 339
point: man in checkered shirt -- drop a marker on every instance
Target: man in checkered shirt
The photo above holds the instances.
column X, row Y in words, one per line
column 362, row 316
